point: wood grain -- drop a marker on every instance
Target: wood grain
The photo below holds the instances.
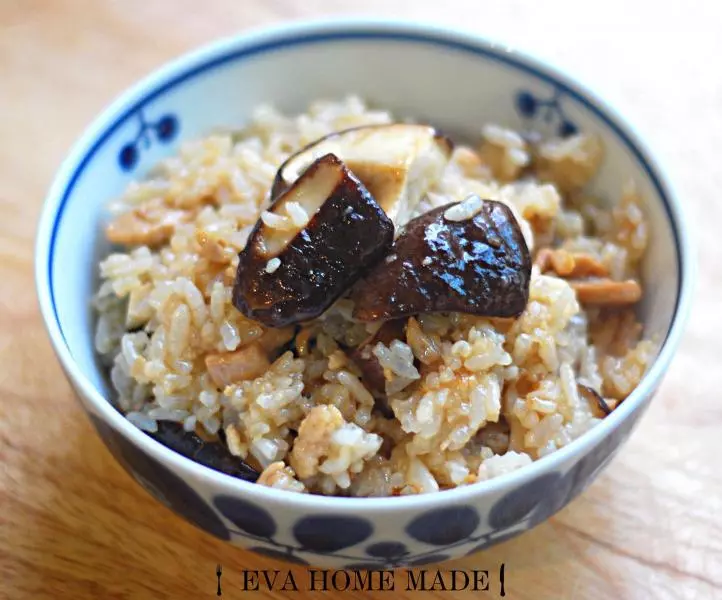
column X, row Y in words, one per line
column 73, row 525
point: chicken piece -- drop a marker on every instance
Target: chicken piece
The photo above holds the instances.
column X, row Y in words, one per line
column 147, row 225
column 570, row 264
column 231, row 367
column 330, row 447
column 615, row 331
column 280, row 476
column 569, row 163
column 505, row 152
column 273, row 339
column 470, row 163
column 314, row 439
column 607, row 292
column 214, row 249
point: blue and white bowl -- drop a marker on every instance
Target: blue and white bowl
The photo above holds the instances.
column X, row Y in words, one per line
column 454, row 80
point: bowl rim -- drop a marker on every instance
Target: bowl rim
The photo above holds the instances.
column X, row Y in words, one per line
column 284, row 36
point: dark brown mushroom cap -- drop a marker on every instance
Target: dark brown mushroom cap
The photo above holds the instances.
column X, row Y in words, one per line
column 479, row 265
column 213, row 455
column 348, row 233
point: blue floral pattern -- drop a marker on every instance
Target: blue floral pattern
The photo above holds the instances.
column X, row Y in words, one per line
column 548, row 110
column 165, row 129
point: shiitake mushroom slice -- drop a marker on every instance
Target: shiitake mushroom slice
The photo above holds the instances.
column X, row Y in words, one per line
column 597, row 403
column 397, row 163
column 495, row 435
column 320, row 235
column 213, row 455
column 467, row 257
column 372, row 373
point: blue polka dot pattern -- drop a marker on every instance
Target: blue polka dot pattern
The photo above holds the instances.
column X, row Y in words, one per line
column 522, row 502
column 327, row 533
column 387, row 549
column 248, row 517
column 444, row 526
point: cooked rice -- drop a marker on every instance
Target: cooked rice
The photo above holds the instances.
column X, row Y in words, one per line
column 472, row 398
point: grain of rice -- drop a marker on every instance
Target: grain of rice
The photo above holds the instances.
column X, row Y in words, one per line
column 398, row 358
column 278, row 475
column 362, row 395
column 272, row 265
column 229, row 335
column 299, row 216
column 142, row 421
column 499, row 465
column 275, row 221
column 166, row 414
column 465, row 210
column 421, row 480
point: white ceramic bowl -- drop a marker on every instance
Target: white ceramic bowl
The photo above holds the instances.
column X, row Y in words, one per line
column 451, row 79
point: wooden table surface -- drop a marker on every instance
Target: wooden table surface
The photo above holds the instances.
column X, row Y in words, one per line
column 74, row 525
